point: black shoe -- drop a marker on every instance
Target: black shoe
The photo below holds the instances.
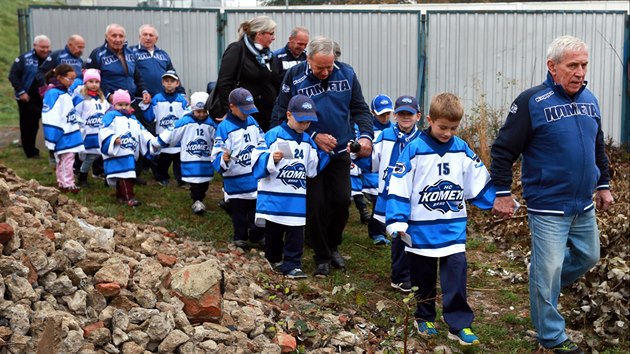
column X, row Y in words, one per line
column 567, row 347
column 241, row 244
column 365, row 215
column 225, row 206
column 83, row 182
column 322, row 270
column 337, row 261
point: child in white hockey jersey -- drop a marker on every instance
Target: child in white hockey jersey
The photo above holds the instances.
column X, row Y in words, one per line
column 237, row 136
column 282, row 163
column 62, row 133
column 194, row 132
column 387, row 148
column 91, row 105
column 165, row 109
column 381, row 108
column 426, row 208
column 122, row 139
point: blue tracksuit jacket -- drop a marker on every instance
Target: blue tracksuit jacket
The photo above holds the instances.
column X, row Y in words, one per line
column 151, row 67
column 339, row 100
column 562, row 144
column 23, row 72
column 114, row 76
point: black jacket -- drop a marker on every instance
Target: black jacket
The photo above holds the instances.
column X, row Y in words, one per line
column 260, row 81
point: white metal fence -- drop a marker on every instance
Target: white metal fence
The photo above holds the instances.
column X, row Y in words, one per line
column 494, row 54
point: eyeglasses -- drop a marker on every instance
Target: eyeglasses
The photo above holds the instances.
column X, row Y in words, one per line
column 68, row 79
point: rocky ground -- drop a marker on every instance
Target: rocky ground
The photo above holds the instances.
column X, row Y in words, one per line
column 76, row 282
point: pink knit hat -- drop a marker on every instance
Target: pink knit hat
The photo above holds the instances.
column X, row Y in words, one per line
column 121, row 96
column 91, row 74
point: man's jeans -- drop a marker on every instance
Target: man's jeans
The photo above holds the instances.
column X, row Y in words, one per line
column 563, row 248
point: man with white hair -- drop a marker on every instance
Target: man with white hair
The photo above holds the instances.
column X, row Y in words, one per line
column 118, row 64
column 152, row 61
column 23, row 78
column 70, row 54
column 556, row 126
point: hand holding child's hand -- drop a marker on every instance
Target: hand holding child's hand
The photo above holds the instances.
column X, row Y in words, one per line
column 146, row 98
column 226, row 156
column 277, row 156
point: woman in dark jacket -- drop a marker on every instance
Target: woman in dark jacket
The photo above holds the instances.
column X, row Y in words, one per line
column 260, row 71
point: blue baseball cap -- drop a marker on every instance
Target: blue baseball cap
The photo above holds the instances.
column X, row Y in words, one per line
column 407, row 103
column 302, row 108
column 381, row 104
column 243, row 99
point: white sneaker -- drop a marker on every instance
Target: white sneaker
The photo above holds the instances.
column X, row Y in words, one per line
column 198, row 207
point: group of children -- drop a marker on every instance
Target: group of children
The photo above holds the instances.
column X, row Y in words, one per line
column 417, row 180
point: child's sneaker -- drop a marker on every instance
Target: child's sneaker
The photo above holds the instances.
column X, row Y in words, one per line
column 465, row 337
column 133, row 202
column 275, row 266
column 296, row 273
column 365, row 215
column 426, row 329
column 242, row 244
column 405, row 286
column 198, row 207
column 380, row 240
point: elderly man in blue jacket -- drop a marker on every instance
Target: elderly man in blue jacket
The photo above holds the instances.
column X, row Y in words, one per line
column 118, row 64
column 336, row 91
column 556, row 127
column 23, row 78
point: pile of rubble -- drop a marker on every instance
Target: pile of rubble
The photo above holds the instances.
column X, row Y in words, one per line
column 75, row 282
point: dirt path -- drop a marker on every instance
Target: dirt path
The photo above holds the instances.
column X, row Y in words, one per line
column 9, row 134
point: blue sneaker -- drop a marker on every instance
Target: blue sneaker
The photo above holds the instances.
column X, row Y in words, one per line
column 296, row 273
column 465, row 337
column 380, row 240
column 426, row 329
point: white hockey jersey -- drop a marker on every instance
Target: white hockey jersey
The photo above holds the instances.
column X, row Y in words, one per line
column 165, row 110
column 60, row 121
column 196, row 139
column 119, row 160
column 428, row 188
column 239, row 138
column 282, row 186
column 90, row 111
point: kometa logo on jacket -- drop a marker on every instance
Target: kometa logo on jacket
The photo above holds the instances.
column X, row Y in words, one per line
column 94, row 121
column 72, row 116
column 244, row 157
column 293, row 175
column 443, row 196
column 127, row 141
column 198, row 147
column 168, row 122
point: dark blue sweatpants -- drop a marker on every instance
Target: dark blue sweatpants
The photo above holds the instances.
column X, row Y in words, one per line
column 456, row 311
column 284, row 243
